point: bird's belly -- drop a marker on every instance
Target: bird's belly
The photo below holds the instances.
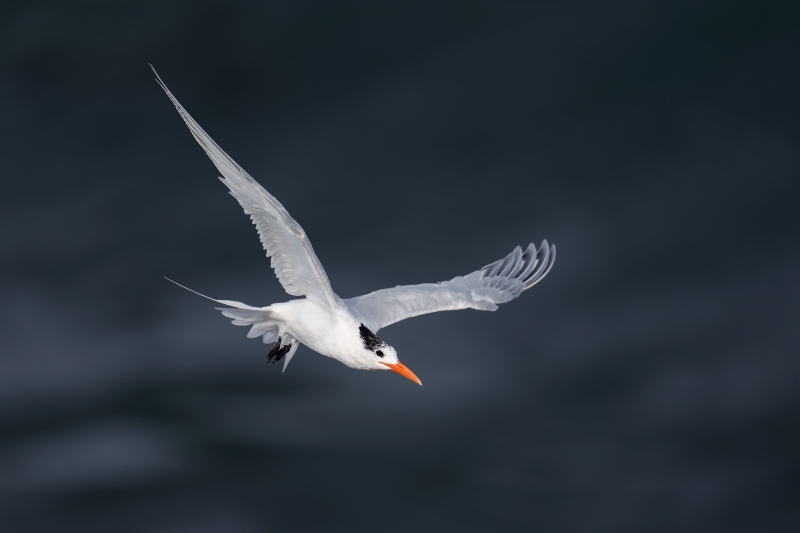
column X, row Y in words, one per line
column 317, row 328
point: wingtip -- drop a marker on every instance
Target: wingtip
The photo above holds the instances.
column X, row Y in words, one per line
column 546, row 266
column 161, row 82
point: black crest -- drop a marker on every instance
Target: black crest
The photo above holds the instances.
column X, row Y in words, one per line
column 370, row 340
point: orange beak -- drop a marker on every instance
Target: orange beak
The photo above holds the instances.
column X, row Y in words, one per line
column 403, row 370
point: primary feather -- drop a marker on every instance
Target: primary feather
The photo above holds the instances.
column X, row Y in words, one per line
column 292, row 257
column 483, row 289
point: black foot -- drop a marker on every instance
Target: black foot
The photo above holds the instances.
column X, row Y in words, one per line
column 277, row 353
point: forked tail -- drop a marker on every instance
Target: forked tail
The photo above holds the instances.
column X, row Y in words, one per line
column 262, row 322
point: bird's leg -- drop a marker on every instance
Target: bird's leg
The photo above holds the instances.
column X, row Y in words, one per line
column 274, row 351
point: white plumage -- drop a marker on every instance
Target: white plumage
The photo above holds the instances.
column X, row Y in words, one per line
column 345, row 329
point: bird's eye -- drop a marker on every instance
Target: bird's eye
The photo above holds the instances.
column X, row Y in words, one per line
column 379, row 353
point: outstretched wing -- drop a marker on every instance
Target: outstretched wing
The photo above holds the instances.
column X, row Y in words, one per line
column 293, row 259
column 484, row 289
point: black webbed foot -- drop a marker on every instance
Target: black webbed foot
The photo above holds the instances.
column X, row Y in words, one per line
column 283, row 351
column 277, row 352
column 275, row 348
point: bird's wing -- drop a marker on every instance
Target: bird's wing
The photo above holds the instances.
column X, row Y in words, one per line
column 293, row 259
column 483, row 289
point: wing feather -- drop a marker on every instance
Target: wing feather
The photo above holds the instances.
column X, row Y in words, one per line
column 484, row 289
column 292, row 257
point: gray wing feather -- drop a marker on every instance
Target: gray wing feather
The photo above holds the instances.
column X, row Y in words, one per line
column 296, row 265
column 483, row 289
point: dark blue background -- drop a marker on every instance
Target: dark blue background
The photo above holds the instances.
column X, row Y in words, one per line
column 650, row 383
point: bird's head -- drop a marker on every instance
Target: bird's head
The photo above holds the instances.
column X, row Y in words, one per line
column 383, row 355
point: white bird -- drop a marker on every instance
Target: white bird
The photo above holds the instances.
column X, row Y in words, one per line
column 345, row 330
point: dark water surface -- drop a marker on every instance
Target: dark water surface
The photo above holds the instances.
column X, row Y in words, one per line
column 650, row 383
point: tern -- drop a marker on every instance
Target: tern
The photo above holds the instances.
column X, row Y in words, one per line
column 345, row 329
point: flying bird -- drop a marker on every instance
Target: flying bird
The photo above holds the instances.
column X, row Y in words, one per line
column 345, row 329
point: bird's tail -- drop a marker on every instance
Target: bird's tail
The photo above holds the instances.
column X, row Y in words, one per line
column 261, row 321
column 263, row 324
column 260, row 318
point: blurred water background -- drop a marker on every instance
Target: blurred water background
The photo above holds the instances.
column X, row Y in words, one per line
column 650, row 383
